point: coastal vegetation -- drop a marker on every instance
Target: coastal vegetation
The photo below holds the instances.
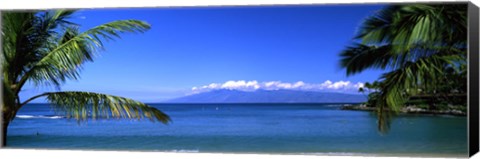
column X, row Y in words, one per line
column 45, row 49
column 422, row 48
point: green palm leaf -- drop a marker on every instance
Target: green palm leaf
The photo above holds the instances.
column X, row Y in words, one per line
column 359, row 57
column 82, row 105
column 398, row 85
column 24, row 38
column 65, row 59
column 406, row 26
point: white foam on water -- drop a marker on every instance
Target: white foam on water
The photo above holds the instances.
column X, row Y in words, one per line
column 185, row 151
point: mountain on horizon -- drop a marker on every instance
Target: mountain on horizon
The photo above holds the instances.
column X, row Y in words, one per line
column 269, row 96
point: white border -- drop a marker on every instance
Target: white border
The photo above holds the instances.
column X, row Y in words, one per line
column 53, row 4
column 80, row 154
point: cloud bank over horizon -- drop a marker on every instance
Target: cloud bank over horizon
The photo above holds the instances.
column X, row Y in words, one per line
column 242, row 85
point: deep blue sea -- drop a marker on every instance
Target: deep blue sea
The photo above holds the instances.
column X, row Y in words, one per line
column 245, row 128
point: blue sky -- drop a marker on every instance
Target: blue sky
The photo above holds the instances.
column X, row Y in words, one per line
column 231, row 46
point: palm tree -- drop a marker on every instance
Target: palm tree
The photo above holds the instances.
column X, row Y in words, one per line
column 45, row 49
column 417, row 43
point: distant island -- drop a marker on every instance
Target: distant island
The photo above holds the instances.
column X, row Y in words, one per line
column 269, row 96
column 357, row 101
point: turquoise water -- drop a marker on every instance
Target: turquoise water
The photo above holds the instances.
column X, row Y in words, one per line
column 245, row 128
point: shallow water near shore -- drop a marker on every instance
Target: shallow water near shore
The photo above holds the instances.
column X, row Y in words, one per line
column 316, row 129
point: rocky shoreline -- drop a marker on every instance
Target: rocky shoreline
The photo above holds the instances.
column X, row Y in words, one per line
column 408, row 110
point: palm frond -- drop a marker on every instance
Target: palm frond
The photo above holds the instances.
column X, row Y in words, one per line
column 25, row 33
column 52, row 19
column 15, row 29
column 384, row 116
column 360, row 57
column 405, row 26
column 377, row 27
column 65, row 59
column 397, row 86
column 84, row 105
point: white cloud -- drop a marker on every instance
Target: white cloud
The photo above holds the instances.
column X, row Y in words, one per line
column 338, row 86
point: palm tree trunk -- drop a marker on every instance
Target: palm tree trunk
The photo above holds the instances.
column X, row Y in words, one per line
column 6, row 118
column 3, row 139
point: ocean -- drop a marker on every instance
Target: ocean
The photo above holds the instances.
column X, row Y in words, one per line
column 246, row 128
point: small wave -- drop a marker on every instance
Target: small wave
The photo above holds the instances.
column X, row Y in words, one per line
column 39, row 116
column 336, row 154
column 185, row 151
